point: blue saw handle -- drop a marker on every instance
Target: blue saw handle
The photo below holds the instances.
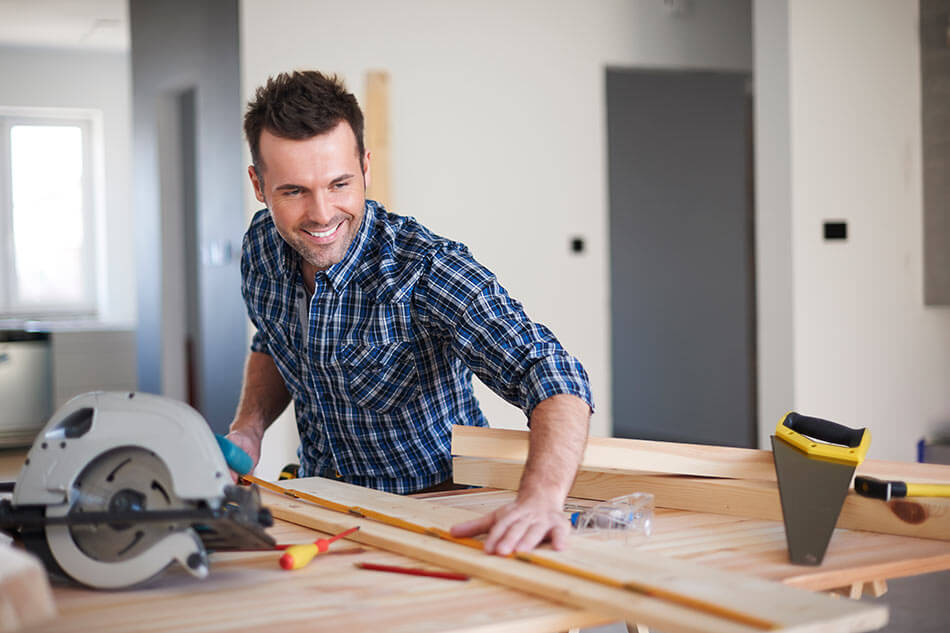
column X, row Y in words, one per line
column 238, row 461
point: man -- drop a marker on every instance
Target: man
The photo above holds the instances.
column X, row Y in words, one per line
column 373, row 326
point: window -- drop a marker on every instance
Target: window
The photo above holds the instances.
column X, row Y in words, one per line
column 47, row 263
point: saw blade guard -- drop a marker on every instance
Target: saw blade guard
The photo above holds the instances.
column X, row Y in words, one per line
column 92, row 424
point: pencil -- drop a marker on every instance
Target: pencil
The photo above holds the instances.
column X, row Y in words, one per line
column 412, row 571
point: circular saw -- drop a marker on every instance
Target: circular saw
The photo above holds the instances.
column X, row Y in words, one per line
column 117, row 486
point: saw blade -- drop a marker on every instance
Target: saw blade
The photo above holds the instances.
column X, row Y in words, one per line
column 812, row 492
column 129, row 479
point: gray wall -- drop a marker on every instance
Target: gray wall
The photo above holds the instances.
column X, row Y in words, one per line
column 935, row 111
column 681, row 257
column 178, row 46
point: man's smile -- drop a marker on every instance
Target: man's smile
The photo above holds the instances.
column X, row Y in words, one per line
column 327, row 235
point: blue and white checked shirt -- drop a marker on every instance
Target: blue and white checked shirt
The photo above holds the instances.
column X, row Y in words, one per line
column 379, row 360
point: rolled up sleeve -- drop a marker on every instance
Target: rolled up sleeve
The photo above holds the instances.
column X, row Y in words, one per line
column 259, row 343
column 555, row 375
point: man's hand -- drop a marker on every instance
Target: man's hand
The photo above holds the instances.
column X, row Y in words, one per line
column 250, row 443
column 555, row 446
column 519, row 526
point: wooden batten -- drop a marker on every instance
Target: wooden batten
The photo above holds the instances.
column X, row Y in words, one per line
column 629, row 455
column 646, row 456
column 783, row 608
column 923, row 518
column 376, row 137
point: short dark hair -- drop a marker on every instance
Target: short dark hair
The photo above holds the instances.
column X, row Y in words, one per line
column 301, row 105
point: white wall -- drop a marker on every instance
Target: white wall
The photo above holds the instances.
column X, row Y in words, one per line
column 866, row 350
column 69, row 78
column 498, row 127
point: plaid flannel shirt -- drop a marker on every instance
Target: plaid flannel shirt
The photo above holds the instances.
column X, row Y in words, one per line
column 379, row 360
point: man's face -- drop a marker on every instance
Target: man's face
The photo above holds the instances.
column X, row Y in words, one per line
column 316, row 191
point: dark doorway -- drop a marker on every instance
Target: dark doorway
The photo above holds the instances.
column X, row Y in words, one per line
column 682, row 257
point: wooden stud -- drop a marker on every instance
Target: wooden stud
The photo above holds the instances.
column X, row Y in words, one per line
column 376, row 109
column 643, row 456
column 620, row 454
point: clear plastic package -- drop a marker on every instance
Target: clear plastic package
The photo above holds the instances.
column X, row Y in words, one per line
column 628, row 518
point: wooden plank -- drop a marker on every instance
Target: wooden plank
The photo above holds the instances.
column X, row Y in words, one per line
column 757, row 547
column 25, row 595
column 248, row 592
column 672, row 457
column 631, row 455
column 376, row 134
column 787, row 608
column 922, row 518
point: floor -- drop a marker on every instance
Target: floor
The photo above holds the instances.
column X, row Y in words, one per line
column 919, row 604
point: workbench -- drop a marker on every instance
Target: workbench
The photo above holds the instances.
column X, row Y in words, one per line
column 247, row 591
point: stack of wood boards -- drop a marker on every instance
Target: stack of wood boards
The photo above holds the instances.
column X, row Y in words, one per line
column 717, row 479
column 636, row 586
column 757, row 547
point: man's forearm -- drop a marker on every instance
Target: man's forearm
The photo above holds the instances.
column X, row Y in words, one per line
column 559, row 427
column 264, row 396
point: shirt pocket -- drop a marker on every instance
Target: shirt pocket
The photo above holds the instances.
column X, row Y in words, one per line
column 380, row 376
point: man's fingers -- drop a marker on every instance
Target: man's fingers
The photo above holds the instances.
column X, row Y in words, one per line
column 503, row 537
column 503, row 517
column 532, row 537
column 511, row 528
column 473, row 527
column 559, row 534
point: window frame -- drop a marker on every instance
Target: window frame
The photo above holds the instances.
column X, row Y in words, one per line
column 89, row 123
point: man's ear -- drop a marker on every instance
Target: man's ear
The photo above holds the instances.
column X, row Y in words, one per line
column 258, row 191
column 366, row 174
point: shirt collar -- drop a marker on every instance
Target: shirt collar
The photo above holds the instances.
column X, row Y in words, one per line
column 339, row 274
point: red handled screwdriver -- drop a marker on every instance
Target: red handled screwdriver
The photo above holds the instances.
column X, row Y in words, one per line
column 297, row 556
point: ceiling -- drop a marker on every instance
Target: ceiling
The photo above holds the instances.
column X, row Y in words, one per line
column 84, row 24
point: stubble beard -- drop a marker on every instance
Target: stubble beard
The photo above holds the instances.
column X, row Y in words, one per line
column 323, row 258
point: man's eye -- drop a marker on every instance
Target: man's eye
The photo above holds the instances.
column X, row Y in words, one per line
column 340, row 185
column 291, row 192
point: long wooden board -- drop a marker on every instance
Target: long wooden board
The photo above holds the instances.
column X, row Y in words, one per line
column 672, row 458
column 922, row 518
column 757, row 547
column 786, row 608
column 247, row 592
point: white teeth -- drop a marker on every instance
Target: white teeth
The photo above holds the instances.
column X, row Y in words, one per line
column 324, row 233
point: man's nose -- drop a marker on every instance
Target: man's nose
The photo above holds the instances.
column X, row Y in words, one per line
column 319, row 210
